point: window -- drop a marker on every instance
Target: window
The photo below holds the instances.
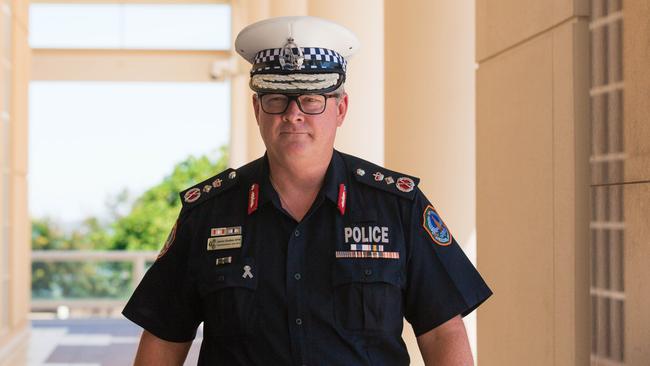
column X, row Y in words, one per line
column 114, row 135
column 607, row 159
column 132, row 26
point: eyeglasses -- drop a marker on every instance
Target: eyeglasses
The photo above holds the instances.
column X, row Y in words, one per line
column 308, row 103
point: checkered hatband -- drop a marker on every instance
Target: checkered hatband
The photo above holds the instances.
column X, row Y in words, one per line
column 320, row 70
column 316, row 59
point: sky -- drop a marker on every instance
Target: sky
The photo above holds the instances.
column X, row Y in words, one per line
column 90, row 140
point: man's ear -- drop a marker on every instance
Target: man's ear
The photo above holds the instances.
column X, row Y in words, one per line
column 341, row 109
column 256, row 108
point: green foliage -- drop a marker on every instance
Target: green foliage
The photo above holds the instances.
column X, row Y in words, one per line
column 153, row 213
column 145, row 226
column 73, row 280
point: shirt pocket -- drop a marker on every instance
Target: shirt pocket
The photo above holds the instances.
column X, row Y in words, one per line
column 228, row 295
column 367, row 296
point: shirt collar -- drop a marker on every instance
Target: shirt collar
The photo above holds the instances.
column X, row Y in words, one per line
column 334, row 177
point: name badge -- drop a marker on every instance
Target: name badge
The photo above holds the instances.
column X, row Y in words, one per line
column 224, row 242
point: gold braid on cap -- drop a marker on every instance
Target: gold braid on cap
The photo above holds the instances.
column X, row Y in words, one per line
column 294, row 81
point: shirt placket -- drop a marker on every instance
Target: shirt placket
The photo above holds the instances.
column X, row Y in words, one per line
column 296, row 286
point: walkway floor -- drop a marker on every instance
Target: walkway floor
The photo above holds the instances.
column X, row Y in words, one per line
column 89, row 342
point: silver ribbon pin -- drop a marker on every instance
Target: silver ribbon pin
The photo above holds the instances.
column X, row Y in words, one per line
column 247, row 272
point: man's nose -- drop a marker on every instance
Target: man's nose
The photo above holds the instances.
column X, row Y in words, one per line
column 293, row 112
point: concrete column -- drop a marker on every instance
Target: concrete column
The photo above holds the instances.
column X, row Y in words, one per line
column 636, row 130
column 245, row 141
column 429, row 101
column 15, row 229
column 362, row 133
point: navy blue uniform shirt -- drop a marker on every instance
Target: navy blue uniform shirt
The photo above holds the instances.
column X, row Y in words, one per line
column 332, row 289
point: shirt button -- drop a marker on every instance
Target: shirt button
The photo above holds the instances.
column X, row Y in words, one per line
column 298, row 321
column 297, row 276
column 367, row 272
column 296, row 233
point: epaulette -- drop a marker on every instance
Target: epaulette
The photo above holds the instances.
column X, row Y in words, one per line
column 209, row 188
column 379, row 177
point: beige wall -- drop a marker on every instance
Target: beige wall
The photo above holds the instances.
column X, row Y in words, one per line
column 636, row 127
column 532, row 141
column 12, row 340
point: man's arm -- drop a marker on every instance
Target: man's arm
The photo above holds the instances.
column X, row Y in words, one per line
column 154, row 351
column 447, row 344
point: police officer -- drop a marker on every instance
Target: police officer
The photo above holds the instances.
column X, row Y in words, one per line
column 305, row 256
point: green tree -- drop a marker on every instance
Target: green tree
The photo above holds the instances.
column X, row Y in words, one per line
column 144, row 227
column 75, row 279
column 153, row 214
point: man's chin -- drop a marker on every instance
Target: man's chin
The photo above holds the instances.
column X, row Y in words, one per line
column 297, row 150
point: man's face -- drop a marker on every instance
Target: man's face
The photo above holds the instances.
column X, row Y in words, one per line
column 296, row 135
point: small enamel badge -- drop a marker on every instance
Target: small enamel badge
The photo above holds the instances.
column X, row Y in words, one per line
column 361, row 172
column 378, row 176
column 207, row 188
column 405, row 184
column 389, row 180
column 192, row 195
column 435, row 227
column 217, row 183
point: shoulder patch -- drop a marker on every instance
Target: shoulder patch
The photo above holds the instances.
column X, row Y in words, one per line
column 381, row 178
column 170, row 240
column 435, row 227
column 209, row 188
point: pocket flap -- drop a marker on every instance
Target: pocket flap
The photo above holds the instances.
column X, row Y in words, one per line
column 242, row 274
column 362, row 271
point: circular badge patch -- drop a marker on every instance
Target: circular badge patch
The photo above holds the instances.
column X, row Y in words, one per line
column 405, row 184
column 435, row 227
column 192, row 195
column 169, row 241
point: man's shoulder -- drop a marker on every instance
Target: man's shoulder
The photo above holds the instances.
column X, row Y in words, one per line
column 378, row 177
column 214, row 186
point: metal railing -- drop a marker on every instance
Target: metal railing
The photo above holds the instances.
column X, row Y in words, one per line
column 138, row 260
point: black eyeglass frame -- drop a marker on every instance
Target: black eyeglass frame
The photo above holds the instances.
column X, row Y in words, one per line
column 295, row 98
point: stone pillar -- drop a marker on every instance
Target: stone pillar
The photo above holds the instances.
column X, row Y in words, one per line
column 429, row 101
column 245, row 141
column 362, row 133
column 636, row 191
column 15, row 226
